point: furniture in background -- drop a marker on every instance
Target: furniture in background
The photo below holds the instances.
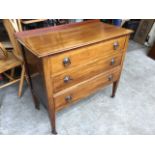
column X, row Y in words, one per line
column 8, row 61
column 151, row 53
column 14, row 58
column 117, row 22
column 30, row 21
column 143, row 30
column 4, row 39
column 11, row 27
column 133, row 25
column 84, row 58
column 26, row 24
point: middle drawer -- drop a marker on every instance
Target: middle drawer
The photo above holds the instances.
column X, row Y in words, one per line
column 82, row 73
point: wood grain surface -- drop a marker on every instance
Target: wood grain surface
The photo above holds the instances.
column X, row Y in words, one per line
column 84, row 72
column 85, row 88
column 85, row 55
column 44, row 42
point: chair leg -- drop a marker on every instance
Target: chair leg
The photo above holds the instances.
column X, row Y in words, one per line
column 21, row 81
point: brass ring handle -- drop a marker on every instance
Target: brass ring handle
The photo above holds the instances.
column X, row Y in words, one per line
column 112, row 61
column 110, row 78
column 68, row 99
column 66, row 61
column 67, row 79
column 116, row 45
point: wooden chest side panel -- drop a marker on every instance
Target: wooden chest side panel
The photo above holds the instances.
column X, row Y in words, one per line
column 36, row 72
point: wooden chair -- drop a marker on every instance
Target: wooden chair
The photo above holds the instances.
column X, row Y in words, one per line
column 12, row 59
column 11, row 27
column 23, row 23
column 10, row 62
column 3, row 53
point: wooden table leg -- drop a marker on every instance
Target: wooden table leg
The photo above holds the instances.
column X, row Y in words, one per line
column 53, row 115
column 114, row 88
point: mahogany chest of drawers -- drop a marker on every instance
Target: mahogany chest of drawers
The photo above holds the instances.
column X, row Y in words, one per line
column 67, row 63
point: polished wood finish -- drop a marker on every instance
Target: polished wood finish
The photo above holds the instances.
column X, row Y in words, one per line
column 81, row 56
column 85, row 71
column 84, row 89
column 72, row 61
column 48, row 41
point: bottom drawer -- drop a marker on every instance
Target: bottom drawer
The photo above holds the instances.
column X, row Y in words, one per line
column 84, row 89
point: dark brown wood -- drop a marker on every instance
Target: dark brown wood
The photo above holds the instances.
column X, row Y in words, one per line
column 114, row 88
column 81, row 56
column 27, row 69
column 152, row 52
column 71, row 62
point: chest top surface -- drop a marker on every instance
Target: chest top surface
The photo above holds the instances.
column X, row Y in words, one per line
column 47, row 41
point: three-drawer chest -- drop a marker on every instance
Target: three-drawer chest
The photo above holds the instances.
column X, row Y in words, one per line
column 69, row 62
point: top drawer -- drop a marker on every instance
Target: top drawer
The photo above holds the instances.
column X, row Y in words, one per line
column 73, row 58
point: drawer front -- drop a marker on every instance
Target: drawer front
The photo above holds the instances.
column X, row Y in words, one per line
column 84, row 55
column 76, row 75
column 84, row 89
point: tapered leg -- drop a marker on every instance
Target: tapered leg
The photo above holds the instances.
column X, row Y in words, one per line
column 114, row 88
column 35, row 100
column 53, row 117
column 54, row 132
